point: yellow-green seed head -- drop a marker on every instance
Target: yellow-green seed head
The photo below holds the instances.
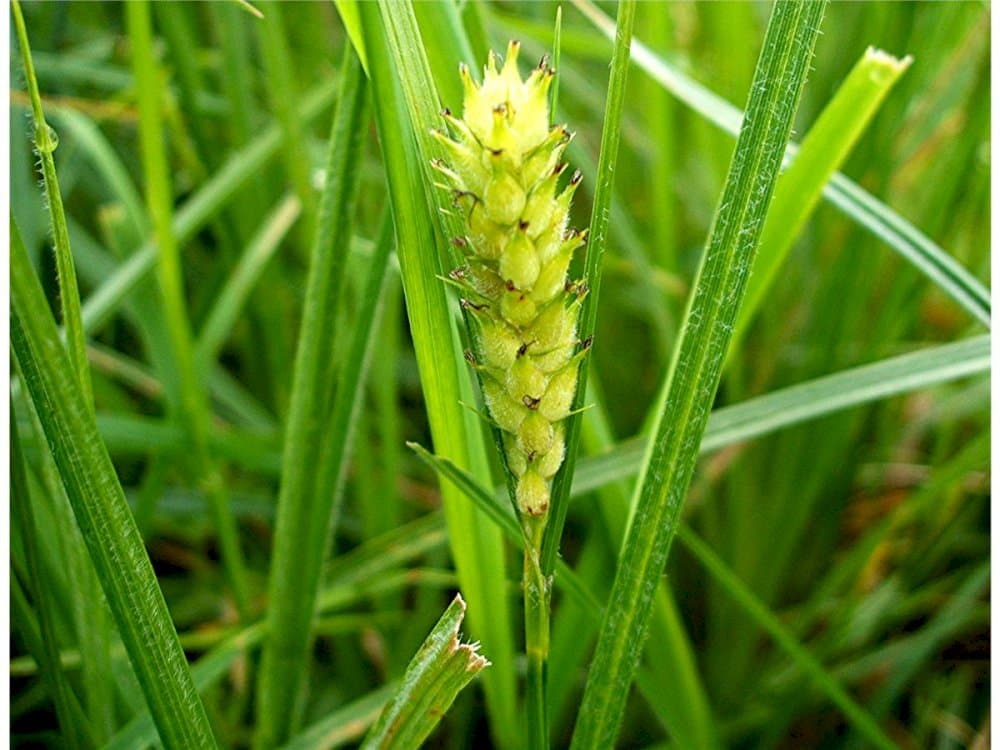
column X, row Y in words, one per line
column 503, row 162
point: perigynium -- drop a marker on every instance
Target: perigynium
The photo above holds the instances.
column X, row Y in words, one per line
column 504, row 168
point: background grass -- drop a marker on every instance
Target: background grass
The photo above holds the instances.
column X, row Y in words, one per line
column 855, row 544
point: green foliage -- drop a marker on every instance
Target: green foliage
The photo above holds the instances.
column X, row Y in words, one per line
column 439, row 670
column 218, row 532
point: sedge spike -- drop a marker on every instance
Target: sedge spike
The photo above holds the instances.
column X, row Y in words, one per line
column 503, row 166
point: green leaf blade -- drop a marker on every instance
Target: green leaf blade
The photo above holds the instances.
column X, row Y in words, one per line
column 304, row 509
column 104, row 517
column 694, row 376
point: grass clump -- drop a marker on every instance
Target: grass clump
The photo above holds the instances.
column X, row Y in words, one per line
column 219, row 535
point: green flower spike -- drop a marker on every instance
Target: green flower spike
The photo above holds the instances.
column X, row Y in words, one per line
column 503, row 167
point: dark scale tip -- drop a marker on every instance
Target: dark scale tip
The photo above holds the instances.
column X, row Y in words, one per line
column 544, row 62
column 523, row 226
column 510, row 286
column 576, row 178
column 459, row 242
column 531, row 402
column 559, row 168
column 523, row 349
column 469, row 304
column 446, row 112
column 470, row 357
column 457, row 195
column 587, row 343
column 531, row 456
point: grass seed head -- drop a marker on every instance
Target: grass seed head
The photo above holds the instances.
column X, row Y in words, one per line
column 503, row 162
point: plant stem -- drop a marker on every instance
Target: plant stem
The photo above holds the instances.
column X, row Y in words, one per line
column 537, row 601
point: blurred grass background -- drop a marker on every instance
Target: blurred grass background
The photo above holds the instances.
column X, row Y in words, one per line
column 865, row 532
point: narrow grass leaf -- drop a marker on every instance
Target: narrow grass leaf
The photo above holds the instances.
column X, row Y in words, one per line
column 860, row 206
column 350, row 17
column 694, row 376
column 46, row 142
column 295, row 565
column 670, row 658
column 437, row 673
column 822, row 152
column 336, row 446
column 804, row 401
column 103, row 515
column 96, row 637
column 556, row 62
column 593, row 269
column 476, row 546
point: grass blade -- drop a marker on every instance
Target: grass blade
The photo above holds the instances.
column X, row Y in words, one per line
column 102, row 513
column 438, row 672
column 46, row 142
column 694, row 376
column 822, row 152
column 804, row 401
column 685, row 709
column 596, row 244
column 96, row 636
column 295, row 565
column 477, row 547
